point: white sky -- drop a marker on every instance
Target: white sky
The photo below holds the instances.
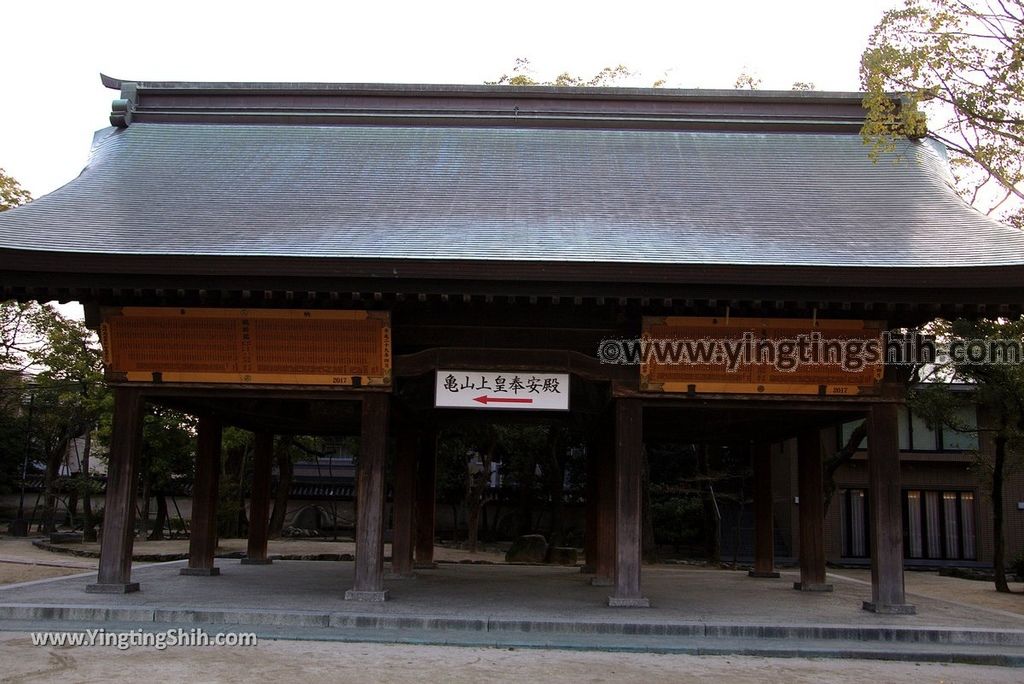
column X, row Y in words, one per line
column 54, row 51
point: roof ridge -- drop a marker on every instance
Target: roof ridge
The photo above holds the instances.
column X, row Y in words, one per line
column 526, row 106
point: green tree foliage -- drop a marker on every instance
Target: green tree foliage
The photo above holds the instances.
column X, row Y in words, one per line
column 959, row 65
column 236, row 455
column 523, row 75
column 11, row 193
column 167, row 460
column 14, row 327
column 54, row 363
column 747, row 81
column 534, row 460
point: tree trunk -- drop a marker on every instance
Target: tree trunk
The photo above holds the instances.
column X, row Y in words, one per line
column 50, row 502
column 157, row 531
column 477, row 486
column 284, row 485
column 998, row 538
column 230, row 494
column 648, row 545
column 831, row 464
column 147, row 486
column 88, row 521
column 556, row 487
column 72, row 509
column 712, row 521
column 243, row 518
column 472, row 529
column 737, row 537
column 526, row 497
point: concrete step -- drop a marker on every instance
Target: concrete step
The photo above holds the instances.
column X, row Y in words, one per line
column 446, row 634
column 502, row 625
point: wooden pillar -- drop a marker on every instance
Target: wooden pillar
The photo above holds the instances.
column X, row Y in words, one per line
column 404, row 499
column 886, row 511
column 115, row 568
column 604, row 567
column 202, row 543
column 259, row 500
column 628, row 497
column 812, row 513
column 369, row 570
column 426, row 479
column 764, row 519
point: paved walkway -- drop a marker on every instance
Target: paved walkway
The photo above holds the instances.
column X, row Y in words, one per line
column 677, row 593
column 693, row 610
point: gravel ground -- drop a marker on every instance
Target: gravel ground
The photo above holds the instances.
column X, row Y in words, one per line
column 299, row 661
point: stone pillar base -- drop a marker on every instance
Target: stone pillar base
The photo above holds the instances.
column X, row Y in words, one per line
column 112, row 588
column 764, row 575
column 424, row 566
column 807, row 586
column 602, row 581
column 638, row 602
column 890, row 608
column 366, row 596
column 200, row 572
column 256, row 561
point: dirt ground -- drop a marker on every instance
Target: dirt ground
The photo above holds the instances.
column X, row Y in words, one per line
column 290, row 546
column 20, row 561
column 11, row 573
column 299, row 661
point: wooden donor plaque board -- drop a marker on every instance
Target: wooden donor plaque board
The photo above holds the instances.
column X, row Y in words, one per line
column 269, row 346
column 761, row 356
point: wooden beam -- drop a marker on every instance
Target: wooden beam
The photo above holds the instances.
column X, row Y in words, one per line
column 764, row 519
column 540, row 360
column 115, row 567
column 886, row 513
column 812, row 513
column 202, row 543
column 369, row 570
column 628, row 496
column 259, row 500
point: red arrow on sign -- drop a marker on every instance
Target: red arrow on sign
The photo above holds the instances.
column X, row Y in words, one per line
column 484, row 399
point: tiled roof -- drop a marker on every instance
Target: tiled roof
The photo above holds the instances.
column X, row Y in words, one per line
column 498, row 181
column 679, row 197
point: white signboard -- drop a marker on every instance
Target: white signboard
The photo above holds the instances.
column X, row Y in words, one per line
column 501, row 390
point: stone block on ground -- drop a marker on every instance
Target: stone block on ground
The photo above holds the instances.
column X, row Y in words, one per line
column 529, row 548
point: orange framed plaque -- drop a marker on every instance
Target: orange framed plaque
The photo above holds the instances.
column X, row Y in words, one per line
column 761, row 356
column 247, row 346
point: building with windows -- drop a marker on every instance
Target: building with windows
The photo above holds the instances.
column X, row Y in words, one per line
column 946, row 509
